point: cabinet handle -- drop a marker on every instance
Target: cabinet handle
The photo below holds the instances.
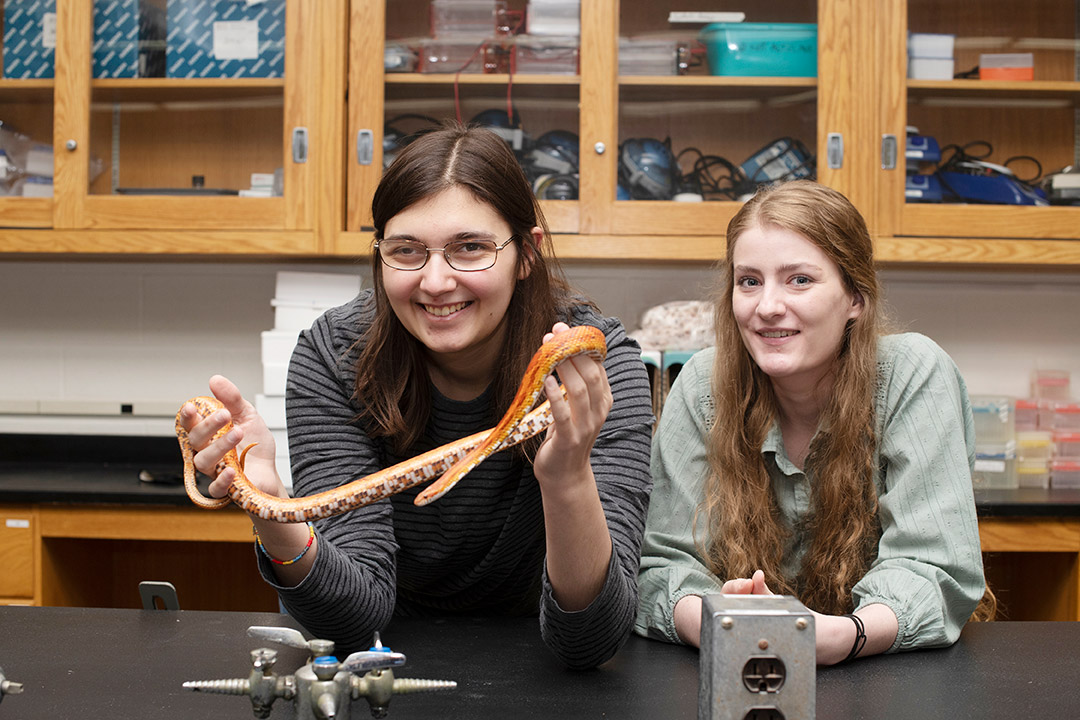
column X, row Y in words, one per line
column 71, row 145
column 888, row 151
column 365, row 147
column 599, row 148
column 299, row 145
column 834, row 151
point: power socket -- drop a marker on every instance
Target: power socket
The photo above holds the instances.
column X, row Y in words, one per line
column 758, row 658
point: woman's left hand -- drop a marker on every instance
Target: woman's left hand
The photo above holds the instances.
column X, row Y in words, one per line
column 578, row 418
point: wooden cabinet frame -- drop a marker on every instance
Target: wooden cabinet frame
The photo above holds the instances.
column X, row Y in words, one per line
column 335, row 86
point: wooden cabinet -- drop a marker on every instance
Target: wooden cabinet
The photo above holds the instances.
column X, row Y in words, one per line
column 158, row 133
column 1003, row 122
column 695, row 114
column 17, row 563
column 137, row 162
column 96, row 556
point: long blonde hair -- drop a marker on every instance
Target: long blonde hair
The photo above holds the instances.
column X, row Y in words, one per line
column 743, row 528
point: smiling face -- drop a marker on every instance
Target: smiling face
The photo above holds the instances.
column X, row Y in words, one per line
column 458, row 316
column 791, row 305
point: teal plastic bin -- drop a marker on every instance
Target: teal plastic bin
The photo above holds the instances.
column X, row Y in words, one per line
column 761, row 49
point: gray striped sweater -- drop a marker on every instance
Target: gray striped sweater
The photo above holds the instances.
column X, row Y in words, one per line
column 479, row 550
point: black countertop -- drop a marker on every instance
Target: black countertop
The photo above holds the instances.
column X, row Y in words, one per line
column 91, row 469
column 996, row 670
column 87, row 469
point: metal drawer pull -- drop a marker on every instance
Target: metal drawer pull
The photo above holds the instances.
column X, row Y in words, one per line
column 834, row 150
column 365, row 147
column 299, row 145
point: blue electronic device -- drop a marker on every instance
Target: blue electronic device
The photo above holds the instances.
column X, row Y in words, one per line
column 997, row 188
column 922, row 189
column 921, row 149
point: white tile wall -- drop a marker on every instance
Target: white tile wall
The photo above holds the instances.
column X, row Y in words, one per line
column 155, row 332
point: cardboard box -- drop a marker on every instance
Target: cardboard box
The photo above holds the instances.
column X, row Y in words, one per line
column 116, row 39
column 225, row 38
column 30, row 38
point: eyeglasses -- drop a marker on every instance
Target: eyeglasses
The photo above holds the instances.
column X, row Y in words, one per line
column 462, row 255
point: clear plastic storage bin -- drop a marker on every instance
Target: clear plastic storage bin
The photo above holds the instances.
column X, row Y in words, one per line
column 994, row 419
column 451, row 56
column 546, row 54
column 1033, row 473
column 1067, row 445
column 553, row 17
column 1034, row 445
column 1050, row 385
column 1027, row 414
column 995, row 467
column 1065, row 474
column 648, row 57
column 761, row 49
column 465, row 18
column 1067, row 417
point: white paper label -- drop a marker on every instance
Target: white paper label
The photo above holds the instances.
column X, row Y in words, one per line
column 997, row 466
column 17, row 523
column 236, row 40
column 48, row 30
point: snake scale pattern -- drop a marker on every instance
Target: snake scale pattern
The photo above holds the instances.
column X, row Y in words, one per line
column 448, row 463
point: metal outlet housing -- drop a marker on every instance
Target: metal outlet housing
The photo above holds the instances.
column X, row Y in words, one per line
column 758, row 658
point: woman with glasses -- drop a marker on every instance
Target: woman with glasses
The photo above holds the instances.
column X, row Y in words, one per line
column 809, row 454
column 465, row 290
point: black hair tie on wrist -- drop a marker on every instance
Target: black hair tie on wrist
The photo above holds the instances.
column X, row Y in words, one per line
column 860, row 638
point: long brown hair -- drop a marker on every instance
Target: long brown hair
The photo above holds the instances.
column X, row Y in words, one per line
column 392, row 381
column 744, row 531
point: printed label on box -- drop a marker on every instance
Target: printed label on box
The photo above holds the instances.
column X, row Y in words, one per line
column 236, row 40
column 48, row 31
column 225, row 38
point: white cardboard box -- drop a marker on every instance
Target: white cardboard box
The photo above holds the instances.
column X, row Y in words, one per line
column 296, row 315
column 325, row 289
column 278, row 345
column 272, row 409
column 930, row 68
column 274, row 375
column 931, row 45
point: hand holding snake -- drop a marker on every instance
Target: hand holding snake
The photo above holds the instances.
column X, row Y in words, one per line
column 449, row 463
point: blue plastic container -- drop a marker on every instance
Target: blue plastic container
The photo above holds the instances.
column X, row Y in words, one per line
column 761, row 49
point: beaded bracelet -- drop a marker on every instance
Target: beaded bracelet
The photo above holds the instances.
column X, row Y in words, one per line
column 860, row 638
column 271, row 558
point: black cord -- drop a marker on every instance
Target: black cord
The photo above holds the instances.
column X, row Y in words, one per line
column 704, row 178
column 860, row 638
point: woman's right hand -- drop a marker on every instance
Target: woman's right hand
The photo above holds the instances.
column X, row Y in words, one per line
column 248, row 428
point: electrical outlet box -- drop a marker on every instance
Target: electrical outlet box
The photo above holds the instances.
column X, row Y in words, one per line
column 758, row 659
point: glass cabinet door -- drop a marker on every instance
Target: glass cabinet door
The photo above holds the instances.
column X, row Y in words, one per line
column 26, row 114
column 500, row 63
column 988, row 95
column 712, row 103
column 181, row 115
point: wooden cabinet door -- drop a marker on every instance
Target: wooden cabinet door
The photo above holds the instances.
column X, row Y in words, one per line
column 422, row 87
column 191, row 154
column 1027, row 126
column 17, row 529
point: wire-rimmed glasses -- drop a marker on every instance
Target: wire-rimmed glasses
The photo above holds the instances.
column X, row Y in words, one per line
column 462, row 255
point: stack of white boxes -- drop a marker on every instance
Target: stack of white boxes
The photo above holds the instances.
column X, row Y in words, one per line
column 300, row 298
column 930, row 56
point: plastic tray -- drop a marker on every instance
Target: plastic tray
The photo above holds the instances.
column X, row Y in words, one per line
column 761, row 49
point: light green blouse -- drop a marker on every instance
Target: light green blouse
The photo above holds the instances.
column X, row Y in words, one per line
column 929, row 566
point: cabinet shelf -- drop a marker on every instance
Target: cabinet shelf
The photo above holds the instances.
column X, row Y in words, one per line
column 922, row 90
column 479, row 79
column 25, row 90
column 162, row 90
column 717, row 81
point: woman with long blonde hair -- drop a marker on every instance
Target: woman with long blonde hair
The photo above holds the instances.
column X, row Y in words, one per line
column 811, row 455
